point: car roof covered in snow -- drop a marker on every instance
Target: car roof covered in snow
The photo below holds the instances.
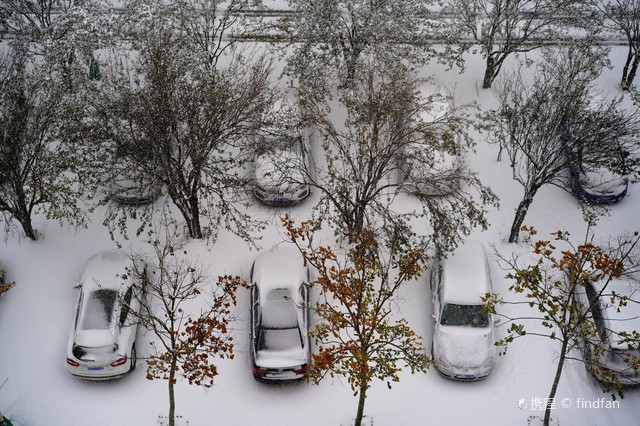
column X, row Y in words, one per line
column 621, row 319
column 279, row 268
column 465, row 274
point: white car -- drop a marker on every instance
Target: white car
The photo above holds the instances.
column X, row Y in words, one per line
column 280, row 349
column 102, row 340
column 433, row 169
column 605, row 351
column 463, row 345
column 281, row 170
column 128, row 185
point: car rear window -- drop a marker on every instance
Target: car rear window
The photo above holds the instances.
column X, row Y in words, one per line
column 279, row 311
column 279, row 340
column 98, row 310
column 464, row 315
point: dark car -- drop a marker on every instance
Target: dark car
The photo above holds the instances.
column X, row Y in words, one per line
column 596, row 182
column 279, row 340
column 606, row 353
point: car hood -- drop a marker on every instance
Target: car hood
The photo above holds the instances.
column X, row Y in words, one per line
column 464, row 346
column 95, row 338
column 279, row 170
column 601, row 181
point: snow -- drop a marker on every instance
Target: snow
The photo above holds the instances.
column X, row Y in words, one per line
column 464, row 274
column 37, row 313
column 621, row 319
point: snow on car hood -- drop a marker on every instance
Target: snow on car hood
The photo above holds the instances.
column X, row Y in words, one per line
column 279, row 170
column 601, row 181
column 464, row 346
column 281, row 359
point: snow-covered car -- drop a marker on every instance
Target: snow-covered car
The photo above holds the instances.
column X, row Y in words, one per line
column 607, row 356
column 102, row 340
column 433, row 169
column 279, row 339
column 127, row 184
column 281, row 170
column 596, row 183
column 463, row 346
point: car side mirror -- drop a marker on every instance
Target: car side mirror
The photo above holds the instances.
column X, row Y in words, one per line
column 77, row 286
column 496, row 321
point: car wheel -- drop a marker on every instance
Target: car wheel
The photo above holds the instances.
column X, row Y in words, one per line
column 134, row 358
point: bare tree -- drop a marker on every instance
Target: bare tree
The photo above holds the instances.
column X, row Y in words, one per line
column 535, row 122
column 623, row 16
column 387, row 125
column 505, row 27
column 185, row 343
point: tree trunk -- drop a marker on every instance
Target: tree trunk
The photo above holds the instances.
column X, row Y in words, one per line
column 190, row 210
column 632, row 73
column 624, row 82
column 172, row 399
column 361, row 400
column 28, row 227
column 523, row 207
column 195, row 230
column 556, row 381
column 488, row 72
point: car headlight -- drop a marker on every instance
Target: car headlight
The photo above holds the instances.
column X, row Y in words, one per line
column 443, row 361
column 488, row 363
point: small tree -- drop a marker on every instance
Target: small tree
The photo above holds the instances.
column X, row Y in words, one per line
column 505, row 27
column 358, row 338
column 36, row 170
column 623, row 16
column 332, row 37
column 549, row 283
column 184, row 124
column 388, row 125
column 535, row 122
column 184, row 344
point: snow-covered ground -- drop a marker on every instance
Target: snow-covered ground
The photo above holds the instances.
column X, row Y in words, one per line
column 35, row 317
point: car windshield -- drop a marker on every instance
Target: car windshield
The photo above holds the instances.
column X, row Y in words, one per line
column 99, row 309
column 464, row 315
column 100, row 353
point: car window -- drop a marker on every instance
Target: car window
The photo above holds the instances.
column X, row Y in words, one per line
column 279, row 340
column 464, row 315
column 98, row 310
column 279, row 311
column 126, row 303
column 596, row 311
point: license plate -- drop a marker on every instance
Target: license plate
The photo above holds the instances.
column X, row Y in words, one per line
column 282, row 200
column 95, row 368
column 465, row 376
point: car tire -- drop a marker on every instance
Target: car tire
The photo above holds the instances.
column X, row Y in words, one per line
column 134, row 358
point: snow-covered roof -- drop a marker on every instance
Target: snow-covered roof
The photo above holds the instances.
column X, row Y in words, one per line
column 465, row 274
column 621, row 319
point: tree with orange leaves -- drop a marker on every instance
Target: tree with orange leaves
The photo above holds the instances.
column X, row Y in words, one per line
column 358, row 337
column 185, row 344
column 551, row 283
